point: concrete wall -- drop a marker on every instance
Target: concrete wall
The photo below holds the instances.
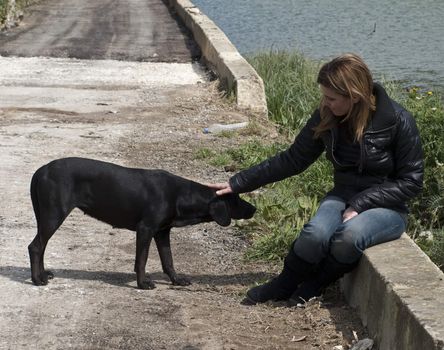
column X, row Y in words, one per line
column 220, row 55
column 399, row 295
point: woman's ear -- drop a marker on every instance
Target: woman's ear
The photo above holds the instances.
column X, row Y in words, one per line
column 219, row 212
column 355, row 99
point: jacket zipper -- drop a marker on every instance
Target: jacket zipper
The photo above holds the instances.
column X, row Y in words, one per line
column 333, row 151
column 333, row 147
column 361, row 161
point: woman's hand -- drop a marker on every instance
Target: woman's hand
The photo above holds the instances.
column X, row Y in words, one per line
column 348, row 214
column 223, row 188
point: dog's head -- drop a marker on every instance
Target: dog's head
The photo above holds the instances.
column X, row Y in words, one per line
column 230, row 206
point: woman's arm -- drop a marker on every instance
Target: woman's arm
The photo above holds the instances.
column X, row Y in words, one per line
column 299, row 156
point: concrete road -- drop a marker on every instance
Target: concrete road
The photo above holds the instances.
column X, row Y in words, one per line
column 130, row 30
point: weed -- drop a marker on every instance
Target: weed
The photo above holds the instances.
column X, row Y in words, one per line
column 3, row 11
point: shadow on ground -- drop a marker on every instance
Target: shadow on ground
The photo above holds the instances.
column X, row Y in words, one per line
column 23, row 275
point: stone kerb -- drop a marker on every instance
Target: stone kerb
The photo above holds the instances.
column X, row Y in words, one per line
column 221, row 56
column 399, row 295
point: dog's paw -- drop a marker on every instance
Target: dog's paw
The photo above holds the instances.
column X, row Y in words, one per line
column 181, row 281
column 45, row 276
column 40, row 282
column 146, row 284
column 49, row 274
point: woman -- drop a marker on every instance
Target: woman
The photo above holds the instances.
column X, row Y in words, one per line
column 375, row 148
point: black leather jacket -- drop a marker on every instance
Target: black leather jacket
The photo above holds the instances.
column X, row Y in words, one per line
column 390, row 170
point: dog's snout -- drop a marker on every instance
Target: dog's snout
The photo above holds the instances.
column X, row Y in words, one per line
column 249, row 210
column 243, row 210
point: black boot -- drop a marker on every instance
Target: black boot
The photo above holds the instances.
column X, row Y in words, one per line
column 281, row 287
column 330, row 271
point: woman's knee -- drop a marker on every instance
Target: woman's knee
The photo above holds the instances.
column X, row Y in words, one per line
column 312, row 243
column 346, row 247
column 316, row 233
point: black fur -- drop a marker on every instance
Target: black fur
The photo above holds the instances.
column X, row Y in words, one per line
column 149, row 202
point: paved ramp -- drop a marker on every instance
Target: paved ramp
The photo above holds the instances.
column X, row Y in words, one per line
column 131, row 30
column 82, row 86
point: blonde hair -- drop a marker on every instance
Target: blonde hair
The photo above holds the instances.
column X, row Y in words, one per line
column 348, row 76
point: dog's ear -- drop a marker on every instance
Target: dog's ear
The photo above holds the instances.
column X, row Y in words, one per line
column 219, row 211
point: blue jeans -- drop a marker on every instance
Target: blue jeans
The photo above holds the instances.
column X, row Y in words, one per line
column 326, row 234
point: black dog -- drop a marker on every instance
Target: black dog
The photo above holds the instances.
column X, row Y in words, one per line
column 149, row 202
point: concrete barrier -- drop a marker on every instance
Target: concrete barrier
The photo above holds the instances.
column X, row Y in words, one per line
column 399, row 295
column 222, row 57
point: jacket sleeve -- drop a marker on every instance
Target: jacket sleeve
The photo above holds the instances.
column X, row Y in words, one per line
column 303, row 152
column 409, row 171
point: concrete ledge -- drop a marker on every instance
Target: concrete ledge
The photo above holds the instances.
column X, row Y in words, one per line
column 399, row 295
column 220, row 55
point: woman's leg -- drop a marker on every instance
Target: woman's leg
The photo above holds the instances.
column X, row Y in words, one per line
column 371, row 227
column 305, row 253
column 313, row 243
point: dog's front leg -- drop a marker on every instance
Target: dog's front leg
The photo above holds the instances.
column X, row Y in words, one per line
column 144, row 235
column 164, row 248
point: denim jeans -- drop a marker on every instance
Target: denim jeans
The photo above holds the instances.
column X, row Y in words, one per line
column 326, row 234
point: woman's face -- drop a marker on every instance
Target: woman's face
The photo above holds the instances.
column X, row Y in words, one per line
column 338, row 104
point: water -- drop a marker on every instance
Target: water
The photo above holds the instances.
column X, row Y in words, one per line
column 402, row 40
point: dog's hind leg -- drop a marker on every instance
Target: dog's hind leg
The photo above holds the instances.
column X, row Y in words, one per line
column 162, row 240
column 144, row 235
column 50, row 214
column 45, row 230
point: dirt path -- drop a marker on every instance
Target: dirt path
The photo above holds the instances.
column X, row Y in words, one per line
column 140, row 114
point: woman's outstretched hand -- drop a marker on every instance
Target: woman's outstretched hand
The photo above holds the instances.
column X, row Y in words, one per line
column 222, row 188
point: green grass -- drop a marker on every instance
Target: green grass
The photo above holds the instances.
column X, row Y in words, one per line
column 284, row 207
column 290, row 87
column 3, row 11
column 20, row 5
